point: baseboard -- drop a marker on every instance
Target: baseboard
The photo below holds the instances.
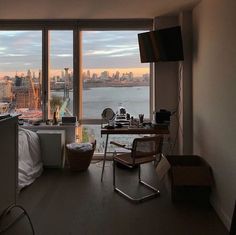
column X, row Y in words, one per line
column 221, row 213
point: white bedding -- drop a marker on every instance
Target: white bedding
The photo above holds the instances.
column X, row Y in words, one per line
column 30, row 162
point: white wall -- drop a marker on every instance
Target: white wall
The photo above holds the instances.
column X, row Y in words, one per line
column 185, row 83
column 166, row 85
column 89, row 9
column 173, row 84
column 214, row 97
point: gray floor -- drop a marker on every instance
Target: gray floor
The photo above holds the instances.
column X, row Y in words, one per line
column 61, row 203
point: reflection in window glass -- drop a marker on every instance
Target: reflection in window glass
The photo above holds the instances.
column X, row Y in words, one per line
column 61, row 73
column 20, row 73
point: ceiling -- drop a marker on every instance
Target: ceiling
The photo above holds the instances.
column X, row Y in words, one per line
column 91, row 9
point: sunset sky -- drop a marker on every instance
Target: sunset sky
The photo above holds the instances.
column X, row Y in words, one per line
column 102, row 50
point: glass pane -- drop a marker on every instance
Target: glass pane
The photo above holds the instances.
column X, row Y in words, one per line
column 60, row 73
column 113, row 75
column 88, row 133
column 21, row 73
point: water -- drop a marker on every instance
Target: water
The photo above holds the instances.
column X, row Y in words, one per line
column 134, row 99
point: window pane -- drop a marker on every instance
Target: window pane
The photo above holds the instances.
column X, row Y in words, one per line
column 61, row 73
column 112, row 73
column 88, row 133
column 112, row 77
column 20, row 73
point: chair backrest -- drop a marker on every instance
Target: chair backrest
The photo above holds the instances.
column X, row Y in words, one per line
column 146, row 146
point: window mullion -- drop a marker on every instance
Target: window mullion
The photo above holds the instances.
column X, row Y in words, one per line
column 77, row 94
column 152, row 91
column 45, row 67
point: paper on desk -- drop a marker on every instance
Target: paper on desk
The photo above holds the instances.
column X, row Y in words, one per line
column 162, row 167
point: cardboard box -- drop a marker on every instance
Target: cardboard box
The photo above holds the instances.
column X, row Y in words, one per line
column 191, row 178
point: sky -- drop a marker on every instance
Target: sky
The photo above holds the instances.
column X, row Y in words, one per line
column 101, row 50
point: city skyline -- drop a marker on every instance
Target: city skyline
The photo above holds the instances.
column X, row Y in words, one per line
column 138, row 72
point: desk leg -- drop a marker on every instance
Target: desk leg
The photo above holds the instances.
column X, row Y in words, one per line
column 104, row 158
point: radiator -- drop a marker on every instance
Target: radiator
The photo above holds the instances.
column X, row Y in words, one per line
column 52, row 144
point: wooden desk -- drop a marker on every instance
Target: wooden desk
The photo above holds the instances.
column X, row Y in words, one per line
column 130, row 131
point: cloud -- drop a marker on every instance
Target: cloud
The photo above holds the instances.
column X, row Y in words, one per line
column 22, row 50
column 122, row 54
column 10, row 33
column 15, row 55
column 110, row 52
column 5, row 63
column 123, row 46
column 64, row 55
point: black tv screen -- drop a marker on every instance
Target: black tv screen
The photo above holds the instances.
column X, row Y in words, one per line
column 161, row 45
column 146, row 48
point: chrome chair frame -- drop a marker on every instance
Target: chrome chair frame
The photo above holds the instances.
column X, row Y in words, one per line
column 155, row 192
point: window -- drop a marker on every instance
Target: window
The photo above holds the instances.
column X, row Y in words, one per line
column 91, row 132
column 21, row 73
column 60, row 73
column 63, row 67
column 112, row 77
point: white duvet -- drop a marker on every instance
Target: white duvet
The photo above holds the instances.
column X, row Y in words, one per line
column 30, row 162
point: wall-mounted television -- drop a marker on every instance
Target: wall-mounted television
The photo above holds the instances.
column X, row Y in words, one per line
column 161, row 45
column 146, row 49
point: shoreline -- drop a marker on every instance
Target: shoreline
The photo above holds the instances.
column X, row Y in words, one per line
column 102, row 85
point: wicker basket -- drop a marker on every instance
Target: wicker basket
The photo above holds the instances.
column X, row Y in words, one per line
column 80, row 160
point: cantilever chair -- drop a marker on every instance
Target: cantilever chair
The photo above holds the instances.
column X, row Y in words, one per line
column 143, row 150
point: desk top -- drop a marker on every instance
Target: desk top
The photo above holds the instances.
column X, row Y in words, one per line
column 138, row 130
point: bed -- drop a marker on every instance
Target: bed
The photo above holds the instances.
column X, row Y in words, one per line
column 30, row 164
column 23, row 152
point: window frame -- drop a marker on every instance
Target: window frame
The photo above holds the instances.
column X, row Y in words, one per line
column 77, row 26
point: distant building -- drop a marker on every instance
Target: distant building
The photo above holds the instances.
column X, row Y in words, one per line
column 6, row 78
column 18, row 81
column 104, row 75
column 117, row 76
column 27, row 94
column 94, row 76
column 131, row 76
column 146, row 77
column 29, row 74
column 88, row 74
column 6, row 94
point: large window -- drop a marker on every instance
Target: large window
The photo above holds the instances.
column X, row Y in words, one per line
column 21, row 73
column 112, row 77
column 63, row 68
